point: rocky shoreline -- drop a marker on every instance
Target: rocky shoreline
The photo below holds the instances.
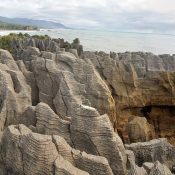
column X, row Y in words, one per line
column 65, row 111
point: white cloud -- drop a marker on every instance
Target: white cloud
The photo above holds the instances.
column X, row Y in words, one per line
column 117, row 14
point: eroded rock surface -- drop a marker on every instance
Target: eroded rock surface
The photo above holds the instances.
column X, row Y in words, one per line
column 68, row 112
column 15, row 93
column 154, row 150
column 142, row 84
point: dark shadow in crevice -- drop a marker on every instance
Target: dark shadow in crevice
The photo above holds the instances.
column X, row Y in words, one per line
column 16, row 83
column 146, row 110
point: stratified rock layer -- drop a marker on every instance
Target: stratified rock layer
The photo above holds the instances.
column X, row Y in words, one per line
column 154, row 150
column 142, row 84
column 15, row 93
column 62, row 110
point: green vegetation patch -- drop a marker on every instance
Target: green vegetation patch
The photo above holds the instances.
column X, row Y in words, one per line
column 6, row 41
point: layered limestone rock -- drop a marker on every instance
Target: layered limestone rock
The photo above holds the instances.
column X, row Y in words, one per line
column 90, row 163
column 142, row 84
column 94, row 134
column 67, row 79
column 154, row 150
column 63, row 167
column 74, row 101
column 51, row 124
column 148, row 168
column 88, row 132
column 17, row 43
column 24, row 152
column 15, row 94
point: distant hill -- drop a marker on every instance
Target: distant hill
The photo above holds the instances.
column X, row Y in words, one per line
column 30, row 22
column 10, row 26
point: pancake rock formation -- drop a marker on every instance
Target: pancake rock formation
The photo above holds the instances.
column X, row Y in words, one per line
column 65, row 111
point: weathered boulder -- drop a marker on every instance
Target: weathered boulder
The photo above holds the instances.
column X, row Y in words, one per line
column 10, row 150
column 139, row 130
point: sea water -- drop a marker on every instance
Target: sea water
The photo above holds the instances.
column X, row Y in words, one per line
column 96, row 40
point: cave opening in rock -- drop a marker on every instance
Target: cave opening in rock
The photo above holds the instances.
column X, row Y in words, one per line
column 162, row 119
column 146, row 110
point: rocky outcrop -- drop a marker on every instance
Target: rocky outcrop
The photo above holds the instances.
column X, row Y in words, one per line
column 15, row 93
column 63, row 167
column 63, row 111
column 17, row 43
column 34, row 153
column 27, row 153
column 142, row 84
column 98, row 138
column 134, row 169
column 51, row 124
column 154, row 150
column 92, row 164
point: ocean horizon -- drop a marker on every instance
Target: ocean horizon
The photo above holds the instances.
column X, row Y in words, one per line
column 115, row 41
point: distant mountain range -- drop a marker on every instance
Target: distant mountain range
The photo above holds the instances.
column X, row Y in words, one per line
column 30, row 22
column 10, row 26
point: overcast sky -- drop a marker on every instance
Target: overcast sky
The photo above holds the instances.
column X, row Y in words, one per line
column 131, row 15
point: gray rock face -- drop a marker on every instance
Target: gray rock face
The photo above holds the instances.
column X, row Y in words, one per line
column 142, row 84
column 66, row 81
column 63, row 167
column 155, row 150
column 87, row 162
column 92, row 164
column 97, row 135
column 51, row 124
column 15, row 94
column 27, row 153
column 44, row 43
column 134, row 169
column 31, row 153
column 61, row 110
column 160, row 169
